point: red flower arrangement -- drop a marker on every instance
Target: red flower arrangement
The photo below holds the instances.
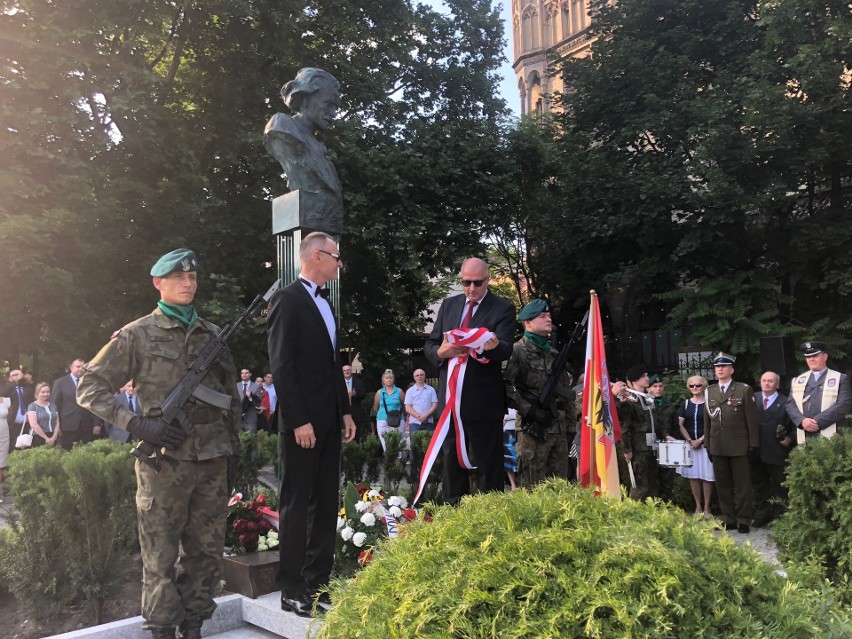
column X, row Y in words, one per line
column 248, row 530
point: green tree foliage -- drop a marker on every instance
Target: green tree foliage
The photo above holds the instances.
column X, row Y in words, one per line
column 557, row 562
column 701, row 143
column 135, row 127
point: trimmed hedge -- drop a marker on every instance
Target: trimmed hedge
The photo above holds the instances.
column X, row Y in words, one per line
column 73, row 525
column 556, row 562
column 814, row 536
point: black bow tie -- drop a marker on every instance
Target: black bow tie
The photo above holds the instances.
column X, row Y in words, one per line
column 319, row 292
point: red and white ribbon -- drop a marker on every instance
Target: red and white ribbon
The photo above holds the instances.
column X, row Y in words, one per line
column 474, row 339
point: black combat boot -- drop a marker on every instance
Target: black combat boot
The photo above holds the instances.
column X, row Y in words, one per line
column 163, row 633
column 190, row 628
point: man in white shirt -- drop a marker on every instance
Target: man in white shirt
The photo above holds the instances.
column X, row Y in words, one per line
column 421, row 402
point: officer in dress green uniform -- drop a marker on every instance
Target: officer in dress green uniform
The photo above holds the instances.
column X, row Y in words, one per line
column 545, row 454
column 182, row 509
column 731, row 434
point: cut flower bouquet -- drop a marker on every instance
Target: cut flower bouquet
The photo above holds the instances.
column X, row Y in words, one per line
column 249, row 527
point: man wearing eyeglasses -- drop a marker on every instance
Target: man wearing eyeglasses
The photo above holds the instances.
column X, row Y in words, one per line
column 315, row 416
column 483, row 394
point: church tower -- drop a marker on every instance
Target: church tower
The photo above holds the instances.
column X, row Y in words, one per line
column 542, row 31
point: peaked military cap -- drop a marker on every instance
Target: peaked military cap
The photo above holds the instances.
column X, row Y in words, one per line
column 180, row 260
column 533, row 310
column 723, row 359
column 813, row 348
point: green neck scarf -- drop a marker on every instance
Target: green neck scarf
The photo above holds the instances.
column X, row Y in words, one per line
column 186, row 315
column 538, row 340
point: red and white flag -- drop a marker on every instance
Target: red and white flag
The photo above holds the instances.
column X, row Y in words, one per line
column 600, row 429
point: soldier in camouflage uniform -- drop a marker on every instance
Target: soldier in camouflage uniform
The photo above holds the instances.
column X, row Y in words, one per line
column 527, row 370
column 639, row 417
column 182, row 509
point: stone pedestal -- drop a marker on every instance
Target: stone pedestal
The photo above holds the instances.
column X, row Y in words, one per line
column 252, row 574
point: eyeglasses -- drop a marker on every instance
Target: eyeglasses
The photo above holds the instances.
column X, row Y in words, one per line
column 696, row 385
column 476, row 283
column 336, row 256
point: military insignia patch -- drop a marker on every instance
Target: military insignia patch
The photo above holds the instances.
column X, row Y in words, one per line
column 185, row 265
column 831, row 383
column 801, row 380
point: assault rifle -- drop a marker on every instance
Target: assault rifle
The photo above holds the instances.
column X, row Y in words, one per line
column 171, row 409
column 535, row 428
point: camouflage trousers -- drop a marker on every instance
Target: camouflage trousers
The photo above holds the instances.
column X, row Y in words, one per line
column 539, row 459
column 645, row 472
column 182, row 513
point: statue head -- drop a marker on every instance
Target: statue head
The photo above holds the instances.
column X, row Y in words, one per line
column 313, row 93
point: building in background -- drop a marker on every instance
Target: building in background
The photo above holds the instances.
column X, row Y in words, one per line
column 542, row 32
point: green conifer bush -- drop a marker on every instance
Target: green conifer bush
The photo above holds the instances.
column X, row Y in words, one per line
column 558, row 562
column 815, row 535
column 73, row 525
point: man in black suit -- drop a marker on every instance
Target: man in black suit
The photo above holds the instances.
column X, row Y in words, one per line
column 355, row 389
column 20, row 394
column 126, row 398
column 777, row 433
column 312, row 406
column 483, row 399
column 78, row 424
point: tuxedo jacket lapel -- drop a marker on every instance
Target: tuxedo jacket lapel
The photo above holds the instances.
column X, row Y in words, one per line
column 317, row 316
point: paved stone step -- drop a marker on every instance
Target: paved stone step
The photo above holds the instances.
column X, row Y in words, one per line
column 236, row 617
column 265, row 612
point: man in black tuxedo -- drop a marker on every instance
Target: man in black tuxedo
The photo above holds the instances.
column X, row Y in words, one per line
column 356, row 392
column 312, row 407
column 20, row 394
column 483, row 401
column 777, row 437
column 78, row 424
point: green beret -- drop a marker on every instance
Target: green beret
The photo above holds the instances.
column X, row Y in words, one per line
column 654, row 379
column 181, row 259
column 533, row 310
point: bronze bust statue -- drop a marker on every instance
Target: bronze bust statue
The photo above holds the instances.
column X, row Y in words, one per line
column 313, row 95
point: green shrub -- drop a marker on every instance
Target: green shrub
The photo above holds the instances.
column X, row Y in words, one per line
column 72, row 527
column 393, row 468
column 359, row 461
column 267, row 444
column 816, row 531
column 432, row 489
column 251, row 461
column 556, row 562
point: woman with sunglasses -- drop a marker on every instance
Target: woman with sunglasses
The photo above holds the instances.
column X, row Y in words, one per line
column 691, row 420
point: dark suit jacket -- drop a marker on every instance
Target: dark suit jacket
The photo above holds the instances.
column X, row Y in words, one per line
column 72, row 418
column 306, row 368
column 483, row 393
column 771, row 451
column 116, row 433
column 734, row 429
column 9, row 390
column 358, row 414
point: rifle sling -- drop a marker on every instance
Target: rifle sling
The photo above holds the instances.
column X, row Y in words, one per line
column 214, row 398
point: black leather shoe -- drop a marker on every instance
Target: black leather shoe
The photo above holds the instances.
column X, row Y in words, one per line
column 761, row 522
column 323, row 601
column 300, row 605
column 744, row 529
